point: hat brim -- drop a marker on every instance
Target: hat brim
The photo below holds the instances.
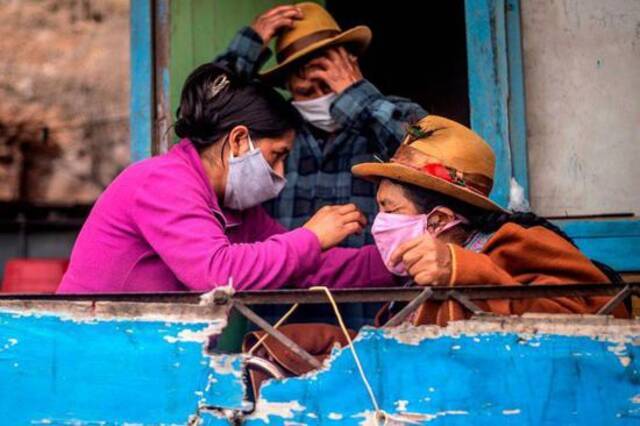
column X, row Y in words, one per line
column 398, row 172
column 358, row 39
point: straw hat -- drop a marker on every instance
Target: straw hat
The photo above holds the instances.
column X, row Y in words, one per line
column 443, row 156
column 316, row 30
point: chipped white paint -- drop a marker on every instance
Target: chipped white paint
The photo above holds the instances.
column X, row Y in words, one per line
column 89, row 312
column 620, row 351
column 197, row 336
column 284, row 410
column 529, row 326
column 226, row 364
column 401, row 405
column 511, row 412
column 398, row 419
column 10, row 342
column 335, row 416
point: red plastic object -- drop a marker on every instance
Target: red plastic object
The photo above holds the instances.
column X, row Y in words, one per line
column 33, row 275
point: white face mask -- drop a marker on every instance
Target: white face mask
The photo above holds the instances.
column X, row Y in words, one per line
column 316, row 112
column 251, row 180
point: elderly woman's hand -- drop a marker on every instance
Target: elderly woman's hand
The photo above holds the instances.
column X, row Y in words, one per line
column 427, row 260
column 332, row 224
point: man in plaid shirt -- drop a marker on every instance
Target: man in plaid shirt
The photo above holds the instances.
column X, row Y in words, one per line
column 345, row 119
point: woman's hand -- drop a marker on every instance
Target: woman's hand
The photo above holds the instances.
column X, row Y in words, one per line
column 337, row 68
column 332, row 224
column 427, row 260
column 273, row 20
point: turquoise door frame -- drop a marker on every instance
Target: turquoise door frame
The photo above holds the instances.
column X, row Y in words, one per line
column 141, row 105
column 497, row 101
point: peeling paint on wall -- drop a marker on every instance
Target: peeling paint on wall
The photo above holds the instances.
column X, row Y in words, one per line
column 535, row 370
column 493, row 371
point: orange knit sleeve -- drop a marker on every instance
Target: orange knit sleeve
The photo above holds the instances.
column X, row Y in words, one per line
column 519, row 256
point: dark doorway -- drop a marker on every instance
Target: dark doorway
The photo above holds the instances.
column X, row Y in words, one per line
column 418, row 50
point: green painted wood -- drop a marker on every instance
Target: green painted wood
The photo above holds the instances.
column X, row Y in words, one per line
column 202, row 29
column 181, row 49
column 231, row 338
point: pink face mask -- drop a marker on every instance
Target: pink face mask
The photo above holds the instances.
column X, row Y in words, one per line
column 389, row 230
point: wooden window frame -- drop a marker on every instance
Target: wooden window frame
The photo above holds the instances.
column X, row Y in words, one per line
column 497, row 106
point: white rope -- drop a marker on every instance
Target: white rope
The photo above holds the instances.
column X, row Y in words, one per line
column 379, row 413
column 276, row 325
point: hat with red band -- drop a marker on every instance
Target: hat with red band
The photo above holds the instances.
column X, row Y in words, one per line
column 443, row 156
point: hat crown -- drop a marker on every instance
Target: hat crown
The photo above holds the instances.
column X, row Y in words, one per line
column 315, row 19
column 453, row 145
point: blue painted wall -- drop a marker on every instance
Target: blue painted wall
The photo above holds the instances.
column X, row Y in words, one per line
column 487, row 379
column 58, row 371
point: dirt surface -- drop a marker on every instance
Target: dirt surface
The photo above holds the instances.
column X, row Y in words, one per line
column 64, row 94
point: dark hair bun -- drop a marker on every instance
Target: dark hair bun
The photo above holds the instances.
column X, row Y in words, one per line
column 214, row 100
column 182, row 127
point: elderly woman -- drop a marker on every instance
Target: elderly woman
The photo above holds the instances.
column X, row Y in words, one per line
column 437, row 226
column 191, row 219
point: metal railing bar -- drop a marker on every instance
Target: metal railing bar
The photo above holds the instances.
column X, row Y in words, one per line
column 615, row 301
column 359, row 295
column 264, row 325
column 414, row 304
column 466, row 302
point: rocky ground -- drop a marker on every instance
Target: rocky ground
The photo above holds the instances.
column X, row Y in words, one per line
column 64, row 94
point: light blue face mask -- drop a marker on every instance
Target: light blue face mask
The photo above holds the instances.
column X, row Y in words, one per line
column 251, row 180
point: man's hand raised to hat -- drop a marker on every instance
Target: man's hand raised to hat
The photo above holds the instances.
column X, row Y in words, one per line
column 427, row 260
column 337, row 68
column 332, row 224
column 273, row 20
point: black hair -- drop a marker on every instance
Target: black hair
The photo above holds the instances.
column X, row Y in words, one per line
column 489, row 222
column 214, row 100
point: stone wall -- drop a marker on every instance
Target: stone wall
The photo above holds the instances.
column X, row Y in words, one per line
column 64, row 91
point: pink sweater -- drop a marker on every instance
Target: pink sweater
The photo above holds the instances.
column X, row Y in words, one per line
column 158, row 227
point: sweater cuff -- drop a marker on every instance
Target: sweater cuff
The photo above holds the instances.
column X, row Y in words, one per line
column 454, row 262
column 248, row 44
column 351, row 103
column 466, row 267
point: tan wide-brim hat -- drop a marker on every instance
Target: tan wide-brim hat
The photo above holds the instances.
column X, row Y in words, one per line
column 443, row 156
column 316, row 30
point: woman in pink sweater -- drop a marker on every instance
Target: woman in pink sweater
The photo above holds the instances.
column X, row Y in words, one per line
column 191, row 219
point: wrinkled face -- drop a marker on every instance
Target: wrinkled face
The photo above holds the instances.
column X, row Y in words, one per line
column 303, row 88
column 391, row 198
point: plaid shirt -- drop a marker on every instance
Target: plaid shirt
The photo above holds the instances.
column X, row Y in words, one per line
column 318, row 169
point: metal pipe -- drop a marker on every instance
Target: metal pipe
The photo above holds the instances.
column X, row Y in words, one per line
column 290, row 344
